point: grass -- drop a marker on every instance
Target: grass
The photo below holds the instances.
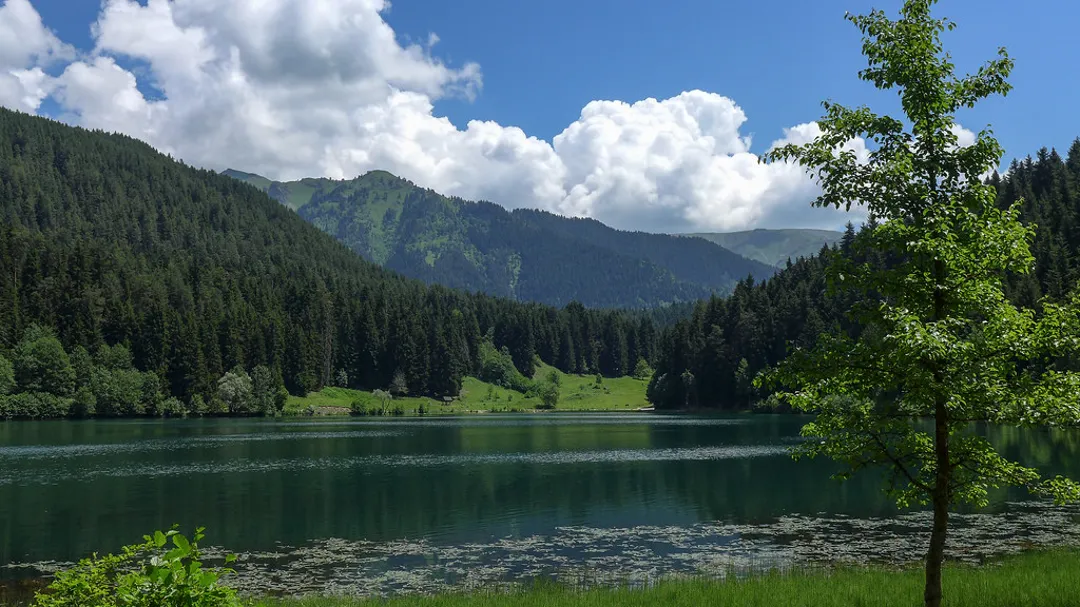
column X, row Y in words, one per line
column 577, row 393
column 1044, row 579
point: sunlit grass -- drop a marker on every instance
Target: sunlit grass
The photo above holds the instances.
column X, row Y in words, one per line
column 1044, row 579
column 577, row 393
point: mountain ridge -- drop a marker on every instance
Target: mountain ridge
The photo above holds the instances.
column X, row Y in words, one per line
column 523, row 254
column 772, row 246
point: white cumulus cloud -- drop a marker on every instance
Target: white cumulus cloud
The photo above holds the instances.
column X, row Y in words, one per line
column 26, row 47
column 295, row 88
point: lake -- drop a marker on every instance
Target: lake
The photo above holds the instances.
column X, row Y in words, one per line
column 377, row 506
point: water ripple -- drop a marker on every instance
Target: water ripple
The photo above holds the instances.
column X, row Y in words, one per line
column 371, row 462
column 26, row 452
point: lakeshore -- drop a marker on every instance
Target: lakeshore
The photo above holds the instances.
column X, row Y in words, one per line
column 1040, row 578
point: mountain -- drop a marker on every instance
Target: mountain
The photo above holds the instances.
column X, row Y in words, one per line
column 105, row 242
column 773, row 247
column 524, row 255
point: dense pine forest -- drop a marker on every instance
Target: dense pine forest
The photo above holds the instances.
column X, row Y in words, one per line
column 710, row 358
column 133, row 284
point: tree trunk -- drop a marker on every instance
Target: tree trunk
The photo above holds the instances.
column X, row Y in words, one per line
column 940, row 496
column 941, row 492
column 936, row 555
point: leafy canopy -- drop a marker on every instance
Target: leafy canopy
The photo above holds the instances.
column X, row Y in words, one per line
column 938, row 336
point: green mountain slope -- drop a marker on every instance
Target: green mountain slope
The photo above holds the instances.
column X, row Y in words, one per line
column 105, row 241
column 523, row 255
column 774, row 247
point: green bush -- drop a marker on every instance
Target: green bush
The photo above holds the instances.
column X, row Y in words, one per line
column 34, row 405
column 42, row 365
column 164, row 571
column 84, row 404
column 118, row 392
column 642, row 370
column 173, row 407
column 497, row 367
column 358, row 408
column 549, row 396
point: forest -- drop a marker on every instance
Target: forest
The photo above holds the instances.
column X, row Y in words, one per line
column 710, row 358
column 143, row 284
column 123, row 270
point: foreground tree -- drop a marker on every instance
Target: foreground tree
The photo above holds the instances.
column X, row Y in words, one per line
column 939, row 340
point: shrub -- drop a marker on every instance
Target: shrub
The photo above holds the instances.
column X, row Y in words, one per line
column 119, row 391
column 84, row 404
column 42, row 365
column 549, row 396
column 642, row 370
column 384, row 399
column 164, row 571
column 358, row 408
column 35, row 405
column 173, row 407
column 497, row 367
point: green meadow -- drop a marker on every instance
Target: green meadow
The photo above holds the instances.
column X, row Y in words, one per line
column 577, row 393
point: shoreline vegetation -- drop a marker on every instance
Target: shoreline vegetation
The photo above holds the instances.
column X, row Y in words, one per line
column 44, row 380
column 1046, row 578
column 1043, row 578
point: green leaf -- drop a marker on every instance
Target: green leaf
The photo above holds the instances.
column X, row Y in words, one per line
column 182, row 542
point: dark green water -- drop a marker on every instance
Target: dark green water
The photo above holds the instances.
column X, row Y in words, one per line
column 417, row 503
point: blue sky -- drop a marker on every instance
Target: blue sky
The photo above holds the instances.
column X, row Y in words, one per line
column 544, row 60
column 541, row 63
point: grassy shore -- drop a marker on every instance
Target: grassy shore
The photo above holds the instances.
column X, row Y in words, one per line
column 577, row 393
column 1043, row 579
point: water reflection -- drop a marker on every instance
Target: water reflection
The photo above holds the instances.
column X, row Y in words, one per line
column 67, row 488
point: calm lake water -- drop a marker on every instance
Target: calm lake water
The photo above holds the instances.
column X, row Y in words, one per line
column 383, row 506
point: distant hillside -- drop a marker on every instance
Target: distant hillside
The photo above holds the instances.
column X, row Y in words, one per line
column 773, row 247
column 131, row 284
column 524, row 255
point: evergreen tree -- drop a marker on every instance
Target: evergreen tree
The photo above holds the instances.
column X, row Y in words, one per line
column 7, row 377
